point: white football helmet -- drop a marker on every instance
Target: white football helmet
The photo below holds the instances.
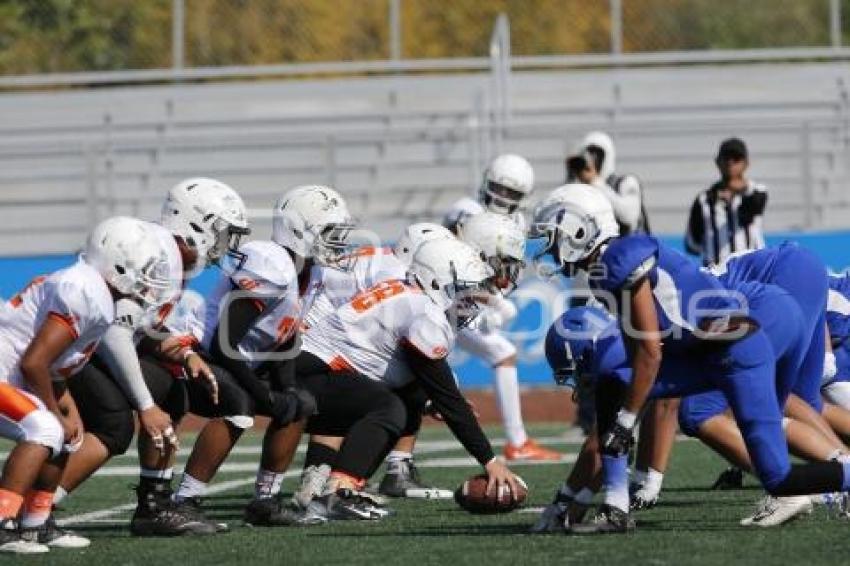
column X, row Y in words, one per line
column 502, row 242
column 131, row 258
column 313, row 222
column 208, row 215
column 454, row 276
column 576, row 219
column 507, row 181
column 417, row 234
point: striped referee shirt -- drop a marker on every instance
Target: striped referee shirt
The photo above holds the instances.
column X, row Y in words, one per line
column 718, row 227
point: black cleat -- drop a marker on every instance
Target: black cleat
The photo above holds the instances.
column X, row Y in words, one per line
column 732, row 478
column 191, row 507
column 157, row 516
column 402, row 480
column 608, row 520
column 271, row 512
column 54, row 536
column 13, row 542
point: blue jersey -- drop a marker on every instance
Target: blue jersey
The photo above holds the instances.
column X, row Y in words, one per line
column 778, row 317
column 838, row 321
column 800, row 272
column 684, row 294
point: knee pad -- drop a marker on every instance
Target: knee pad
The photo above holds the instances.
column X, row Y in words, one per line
column 115, row 430
column 242, row 422
column 42, row 427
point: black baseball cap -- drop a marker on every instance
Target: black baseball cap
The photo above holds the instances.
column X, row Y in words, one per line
column 732, row 148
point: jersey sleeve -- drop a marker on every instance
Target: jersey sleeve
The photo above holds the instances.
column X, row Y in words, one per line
column 264, row 274
column 432, row 338
column 626, row 261
column 72, row 304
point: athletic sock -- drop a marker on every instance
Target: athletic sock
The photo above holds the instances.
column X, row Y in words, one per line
column 59, row 495
column 10, row 504
column 615, row 470
column 189, row 487
column 397, row 461
column 318, row 454
column 268, row 483
column 652, row 485
column 37, row 507
column 507, row 393
column 342, row 480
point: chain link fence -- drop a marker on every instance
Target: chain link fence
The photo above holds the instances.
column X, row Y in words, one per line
column 44, row 36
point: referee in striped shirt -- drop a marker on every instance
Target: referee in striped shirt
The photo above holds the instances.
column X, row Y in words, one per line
column 727, row 217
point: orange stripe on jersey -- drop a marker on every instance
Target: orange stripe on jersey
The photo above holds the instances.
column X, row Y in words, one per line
column 340, row 364
column 67, row 320
column 18, row 299
column 14, row 404
column 370, row 251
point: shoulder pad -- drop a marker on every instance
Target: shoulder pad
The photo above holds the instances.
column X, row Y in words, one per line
column 626, row 261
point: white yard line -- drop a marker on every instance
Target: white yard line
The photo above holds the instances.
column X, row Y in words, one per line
column 102, row 516
column 572, row 436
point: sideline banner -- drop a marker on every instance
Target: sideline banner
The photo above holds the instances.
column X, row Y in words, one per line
column 539, row 301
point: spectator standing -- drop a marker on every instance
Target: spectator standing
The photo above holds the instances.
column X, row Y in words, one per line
column 727, row 217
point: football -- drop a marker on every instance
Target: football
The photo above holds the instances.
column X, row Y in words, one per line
column 472, row 496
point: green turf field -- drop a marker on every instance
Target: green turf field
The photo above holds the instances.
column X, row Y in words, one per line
column 690, row 526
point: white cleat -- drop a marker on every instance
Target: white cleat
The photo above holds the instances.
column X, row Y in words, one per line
column 774, row 511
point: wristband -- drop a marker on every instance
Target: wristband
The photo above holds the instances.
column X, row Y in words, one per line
column 626, row 419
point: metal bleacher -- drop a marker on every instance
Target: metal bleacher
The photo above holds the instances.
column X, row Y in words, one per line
column 403, row 148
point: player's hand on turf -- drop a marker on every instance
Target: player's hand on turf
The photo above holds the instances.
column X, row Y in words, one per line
column 197, row 368
column 157, row 424
column 499, row 477
column 617, row 441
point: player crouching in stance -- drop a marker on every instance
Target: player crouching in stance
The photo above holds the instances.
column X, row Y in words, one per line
column 49, row 331
column 370, row 266
column 253, row 317
column 711, row 341
column 140, row 367
column 394, row 339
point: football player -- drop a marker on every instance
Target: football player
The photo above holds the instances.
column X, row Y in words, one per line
column 251, row 329
column 657, row 292
column 508, row 181
column 140, row 370
column 396, row 335
column 50, row 330
column 371, row 266
column 836, row 381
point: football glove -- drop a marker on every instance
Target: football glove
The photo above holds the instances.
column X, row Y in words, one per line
column 617, row 441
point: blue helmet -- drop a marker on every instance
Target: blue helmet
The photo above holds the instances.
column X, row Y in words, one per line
column 584, row 341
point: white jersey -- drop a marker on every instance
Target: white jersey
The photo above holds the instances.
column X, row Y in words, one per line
column 466, row 207
column 77, row 297
column 367, row 334
column 268, row 275
column 371, row 266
